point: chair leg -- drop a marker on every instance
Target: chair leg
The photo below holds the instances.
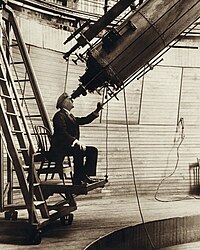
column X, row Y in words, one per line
column 53, row 174
column 70, row 166
column 41, row 166
column 49, row 164
column 59, row 168
column 71, row 176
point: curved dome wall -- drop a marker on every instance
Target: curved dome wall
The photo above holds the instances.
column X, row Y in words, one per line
column 162, row 233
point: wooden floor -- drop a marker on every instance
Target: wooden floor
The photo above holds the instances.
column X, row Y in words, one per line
column 99, row 216
column 188, row 246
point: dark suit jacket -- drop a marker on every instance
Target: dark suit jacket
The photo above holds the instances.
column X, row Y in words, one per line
column 66, row 130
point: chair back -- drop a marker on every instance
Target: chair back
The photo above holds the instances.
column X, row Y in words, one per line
column 43, row 137
column 45, row 156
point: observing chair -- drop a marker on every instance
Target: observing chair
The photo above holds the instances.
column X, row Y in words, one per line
column 49, row 165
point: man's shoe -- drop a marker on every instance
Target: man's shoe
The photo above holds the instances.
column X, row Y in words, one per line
column 88, row 180
column 78, row 182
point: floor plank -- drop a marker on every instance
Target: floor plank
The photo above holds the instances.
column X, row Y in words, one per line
column 96, row 217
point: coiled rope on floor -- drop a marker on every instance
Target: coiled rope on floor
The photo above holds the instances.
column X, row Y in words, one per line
column 176, row 144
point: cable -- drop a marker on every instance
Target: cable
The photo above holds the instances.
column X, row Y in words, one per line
column 181, row 138
column 133, row 173
column 106, row 176
column 66, row 75
column 104, row 96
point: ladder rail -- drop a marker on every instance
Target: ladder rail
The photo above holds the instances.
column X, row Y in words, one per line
column 8, row 133
column 17, row 98
column 13, row 119
column 19, row 122
column 14, row 154
column 1, row 173
column 22, row 89
column 29, row 68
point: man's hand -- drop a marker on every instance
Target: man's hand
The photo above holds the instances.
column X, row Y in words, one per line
column 99, row 107
column 81, row 145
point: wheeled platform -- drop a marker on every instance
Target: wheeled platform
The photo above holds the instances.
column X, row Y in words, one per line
column 21, row 231
column 27, row 231
column 50, row 187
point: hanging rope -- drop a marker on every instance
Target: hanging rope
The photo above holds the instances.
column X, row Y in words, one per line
column 104, row 96
column 106, row 175
column 66, row 74
column 133, row 173
column 179, row 140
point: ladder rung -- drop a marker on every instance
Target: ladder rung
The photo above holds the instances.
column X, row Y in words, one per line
column 30, row 116
column 16, row 187
column 13, row 45
column 22, row 80
column 11, row 113
column 27, row 98
column 2, row 79
column 39, row 203
column 26, row 168
column 22, row 149
column 36, row 184
column 6, row 96
column 21, row 62
column 17, row 132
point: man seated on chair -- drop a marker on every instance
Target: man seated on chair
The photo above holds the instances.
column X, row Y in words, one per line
column 65, row 140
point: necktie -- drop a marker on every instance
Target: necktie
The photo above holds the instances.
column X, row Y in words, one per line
column 72, row 117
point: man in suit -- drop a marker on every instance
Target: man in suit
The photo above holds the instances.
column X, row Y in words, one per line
column 65, row 140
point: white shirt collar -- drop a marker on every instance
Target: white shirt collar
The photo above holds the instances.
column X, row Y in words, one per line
column 67, row 111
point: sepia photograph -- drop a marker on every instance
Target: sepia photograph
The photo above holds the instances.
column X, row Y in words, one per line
column 100, row 124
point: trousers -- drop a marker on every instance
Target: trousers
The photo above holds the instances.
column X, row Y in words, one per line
column 85, row 161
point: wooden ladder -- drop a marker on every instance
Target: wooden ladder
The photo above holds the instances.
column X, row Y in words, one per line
column 19, row 142
column 18, row 132
column 24, row 77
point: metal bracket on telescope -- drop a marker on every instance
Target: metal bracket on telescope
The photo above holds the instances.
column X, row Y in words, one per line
column 73, row 35
column 78, row 57
column 80, row 40
column 111, row 93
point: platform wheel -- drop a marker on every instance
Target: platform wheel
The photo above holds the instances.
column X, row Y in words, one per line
column 67, row 219
column 11, row 215
column 35, row 237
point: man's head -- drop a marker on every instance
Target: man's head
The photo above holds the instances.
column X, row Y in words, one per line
column 64, row 101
